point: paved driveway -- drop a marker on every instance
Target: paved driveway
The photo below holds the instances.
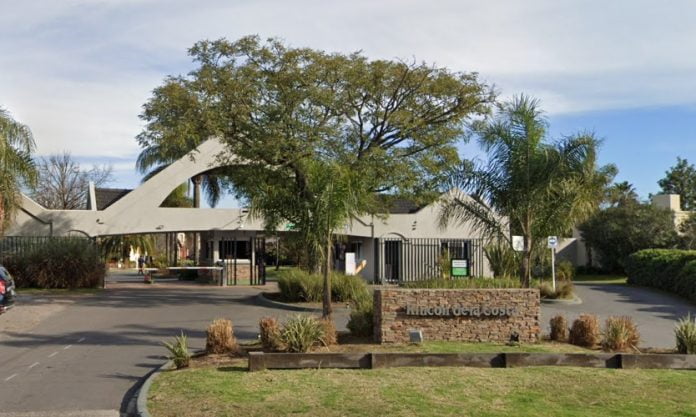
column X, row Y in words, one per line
column 655, row 312
column 92, row 354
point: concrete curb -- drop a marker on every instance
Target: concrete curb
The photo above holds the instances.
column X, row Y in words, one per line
column 143, row 392
column 576, row 300
column 263, row 300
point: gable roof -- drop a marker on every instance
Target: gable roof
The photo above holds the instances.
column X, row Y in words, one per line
column 402, row 206
column 108, row 196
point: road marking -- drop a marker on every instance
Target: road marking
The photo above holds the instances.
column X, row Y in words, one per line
column 33, row 365
column 67, row 347
column 81, row 340
column 10, row 377
column 52, row 354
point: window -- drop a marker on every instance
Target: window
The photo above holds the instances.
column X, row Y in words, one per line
column 229, row 248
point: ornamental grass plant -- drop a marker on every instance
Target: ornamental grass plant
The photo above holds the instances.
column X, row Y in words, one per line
column 220, row 337
column 620, row 335
column 685, row 333
column 585, row 331
column 178, row 351
column 559, row 328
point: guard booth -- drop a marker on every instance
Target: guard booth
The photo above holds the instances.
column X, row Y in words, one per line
column 241, row 255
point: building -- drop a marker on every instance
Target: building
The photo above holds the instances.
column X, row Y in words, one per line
column 408, row 244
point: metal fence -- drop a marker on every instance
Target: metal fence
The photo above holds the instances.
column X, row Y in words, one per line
column 402, row 260
column 20, row 245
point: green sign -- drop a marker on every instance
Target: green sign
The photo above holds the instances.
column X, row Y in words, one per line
column 460, row 268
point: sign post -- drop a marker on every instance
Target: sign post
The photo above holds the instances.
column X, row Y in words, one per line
column 459, row 268
column 552, row 243
column 518, row 243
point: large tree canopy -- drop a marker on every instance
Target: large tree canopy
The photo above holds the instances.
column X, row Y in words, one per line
column 681, row 179
column 292, row 115
column 530, row 186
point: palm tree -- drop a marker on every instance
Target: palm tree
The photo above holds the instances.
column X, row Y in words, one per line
column 121, row 245
column 529, row 185
column 621, row 194
column 17, row 167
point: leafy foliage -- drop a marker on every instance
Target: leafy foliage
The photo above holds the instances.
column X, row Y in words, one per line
column 620, row 335
column 530, row 186
column 17, row 167
column 564, row 290
column 681, row 179
column 120, row 246
column 296, row 285
column 361, row 321
column 464, row 283
column 668, row 270
column 685, row 333
column 617, row 232
column 271, row 334
column 58, row 263
column 302, row 332
column 503, row 260
column 178, row 351
column 687, row 232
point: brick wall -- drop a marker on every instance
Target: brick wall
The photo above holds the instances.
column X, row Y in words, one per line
column 471, row 315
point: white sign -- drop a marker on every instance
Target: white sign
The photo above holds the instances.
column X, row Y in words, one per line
column 552, row 242
column 518, row 243
column 350, row 263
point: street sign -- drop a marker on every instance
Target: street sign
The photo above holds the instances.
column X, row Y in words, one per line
column 518, row 243
column 460, row 268
column 552, row 242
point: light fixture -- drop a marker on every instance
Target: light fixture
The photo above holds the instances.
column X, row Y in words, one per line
column 160, row 227
column 415, row 336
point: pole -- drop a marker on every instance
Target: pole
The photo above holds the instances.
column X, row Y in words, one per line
column 553, row 268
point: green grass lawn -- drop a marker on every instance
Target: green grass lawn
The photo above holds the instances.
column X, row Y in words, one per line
column 552, row 391
column 601, row 279
column 457, row 347
column 272, row 274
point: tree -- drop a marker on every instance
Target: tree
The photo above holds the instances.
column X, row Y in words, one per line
column 120, row 246
column 17, row 168
column 530, row 186
column 681, row 179
column 617, row 232
column 621, row 194
column 687, row 232
column 294, row 114
column 63, row 185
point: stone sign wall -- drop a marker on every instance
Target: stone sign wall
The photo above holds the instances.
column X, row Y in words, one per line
column 471, row 315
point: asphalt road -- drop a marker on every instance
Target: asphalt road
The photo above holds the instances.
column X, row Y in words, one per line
column 654, row 312
column 88, row 359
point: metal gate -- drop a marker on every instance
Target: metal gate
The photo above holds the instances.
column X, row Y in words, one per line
column 402, row 260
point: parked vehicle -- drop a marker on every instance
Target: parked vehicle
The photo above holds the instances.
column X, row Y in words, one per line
column 7, row 290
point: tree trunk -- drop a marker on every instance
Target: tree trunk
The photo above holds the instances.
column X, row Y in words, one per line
column 326, row 299
column 197, row 180
column 526, row 268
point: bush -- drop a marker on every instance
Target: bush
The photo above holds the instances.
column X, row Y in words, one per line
column 664, row 269
column 559, row 328
column 178, row 351
column 302, row 332
column 565, row 271
column 564, row 290
column 296, row 285
column 465, row 283
column 685, row 333
column 330, row 334
column 220, row 337
column 58, row 263
column 585, row 331
column 620, row 334
column 271, row 334
column 361, row 322
column 502, row 259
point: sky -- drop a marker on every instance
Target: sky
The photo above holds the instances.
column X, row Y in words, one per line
column 78, row 71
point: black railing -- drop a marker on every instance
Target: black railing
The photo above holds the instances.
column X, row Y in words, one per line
column 403, row 260
column 20, row 245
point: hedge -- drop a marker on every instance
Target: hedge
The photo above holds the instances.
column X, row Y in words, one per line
column 665, row 269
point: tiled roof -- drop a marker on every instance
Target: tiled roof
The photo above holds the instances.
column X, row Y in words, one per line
column 108, row 196
column 403, row 206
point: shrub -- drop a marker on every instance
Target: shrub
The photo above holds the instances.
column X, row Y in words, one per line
column 220, row 337
column 302, row 332
column 464, row 283
column 564, row 290
column 178, row 351
column 685, row 333
column 329, row 330
column 502, row 259
column 361, row 318
column 565, row 271
column 585, row 331
column 271, row 334
column 58, row 263
column 664, row 269
column 559, row 328
column 620, row 334
column 296, row 285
